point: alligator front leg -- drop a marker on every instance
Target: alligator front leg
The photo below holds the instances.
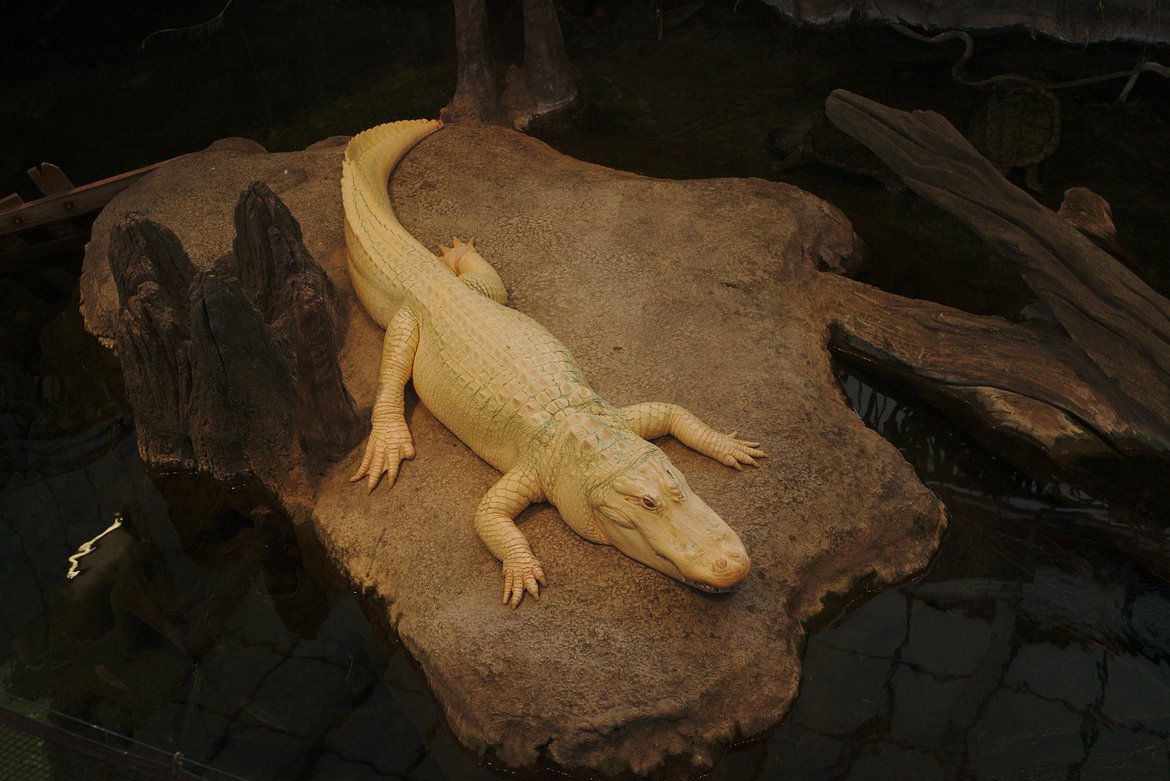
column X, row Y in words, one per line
column 653, row 419
column 390, row 440
column 495, row 523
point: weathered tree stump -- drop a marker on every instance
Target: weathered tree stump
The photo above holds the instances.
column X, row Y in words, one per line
column 153, row 274
column 1093, row 390
column 477, row 96
column 549, row 72
column 232, row 369
column 542, row 86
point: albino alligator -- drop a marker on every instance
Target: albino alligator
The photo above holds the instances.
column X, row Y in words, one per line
column 507, row 388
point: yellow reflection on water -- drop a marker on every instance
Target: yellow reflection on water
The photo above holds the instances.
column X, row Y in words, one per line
column 87, row 547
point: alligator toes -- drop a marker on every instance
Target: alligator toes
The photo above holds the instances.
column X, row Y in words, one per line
column 751, row 448
column 520, row 579
column 735, row 453
column 385, row 451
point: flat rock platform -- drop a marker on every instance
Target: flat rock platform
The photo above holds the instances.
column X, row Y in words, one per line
column 710, row 294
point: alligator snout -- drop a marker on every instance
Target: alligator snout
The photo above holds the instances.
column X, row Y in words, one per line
column 728, row 568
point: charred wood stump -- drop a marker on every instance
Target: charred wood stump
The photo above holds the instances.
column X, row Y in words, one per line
column 1088, row 392
column 153, row 275
column 327, row 423
column 232, row 369
column 243, row 389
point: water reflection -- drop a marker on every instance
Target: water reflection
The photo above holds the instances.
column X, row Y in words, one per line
column 1030, row 649
column 198, row 624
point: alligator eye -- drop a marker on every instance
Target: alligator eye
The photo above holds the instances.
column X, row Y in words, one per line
column 648, row 503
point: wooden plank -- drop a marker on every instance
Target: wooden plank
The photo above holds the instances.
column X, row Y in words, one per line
column 9, row 202
column 67, row 205
column 50, row 179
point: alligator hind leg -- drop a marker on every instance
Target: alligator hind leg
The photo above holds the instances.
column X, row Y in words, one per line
column 390, row 440
column 653, row 419
column 495, row 523
column 475, row 272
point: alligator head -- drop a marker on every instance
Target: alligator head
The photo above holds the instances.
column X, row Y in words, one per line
column 650, row 514
column 625, row 492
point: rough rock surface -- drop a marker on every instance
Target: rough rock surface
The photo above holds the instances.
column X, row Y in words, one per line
column 704, row 293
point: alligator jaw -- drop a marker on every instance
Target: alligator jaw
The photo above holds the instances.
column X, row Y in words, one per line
column 707, row 587
column 668, row 567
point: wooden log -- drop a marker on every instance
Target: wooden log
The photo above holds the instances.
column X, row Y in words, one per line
column 243, row 389
column 270, row 260
column 327, row 422
column 1023, row 390
column 1110, row 313
column 298, row 302
column 1094, row 387
column 1071, row 21
column 143, row 251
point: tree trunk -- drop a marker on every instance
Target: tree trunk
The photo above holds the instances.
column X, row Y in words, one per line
column 550, row 74
column 477, row 98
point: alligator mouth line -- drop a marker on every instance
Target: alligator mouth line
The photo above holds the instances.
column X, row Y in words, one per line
column 701, row 586
column 706, row 586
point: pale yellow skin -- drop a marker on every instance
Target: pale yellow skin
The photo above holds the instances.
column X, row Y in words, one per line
column 513, row 393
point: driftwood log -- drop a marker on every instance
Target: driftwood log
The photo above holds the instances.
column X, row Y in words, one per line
column 1087, row 393
column 1078, row 22
column 231, row 369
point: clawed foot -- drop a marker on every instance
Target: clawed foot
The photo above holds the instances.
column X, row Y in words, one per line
column 385, row 450
column 453, row 256
column 522, row 575
column 735, row 453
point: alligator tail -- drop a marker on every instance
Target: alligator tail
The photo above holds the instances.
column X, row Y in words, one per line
column 369, row 159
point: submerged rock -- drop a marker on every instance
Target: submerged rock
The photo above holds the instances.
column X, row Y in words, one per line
column 703, row 293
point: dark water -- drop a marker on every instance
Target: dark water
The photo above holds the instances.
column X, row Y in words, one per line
column 1034, row 647
column 1031, row 648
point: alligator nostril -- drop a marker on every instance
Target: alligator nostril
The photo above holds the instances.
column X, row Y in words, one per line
column 730, row 567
